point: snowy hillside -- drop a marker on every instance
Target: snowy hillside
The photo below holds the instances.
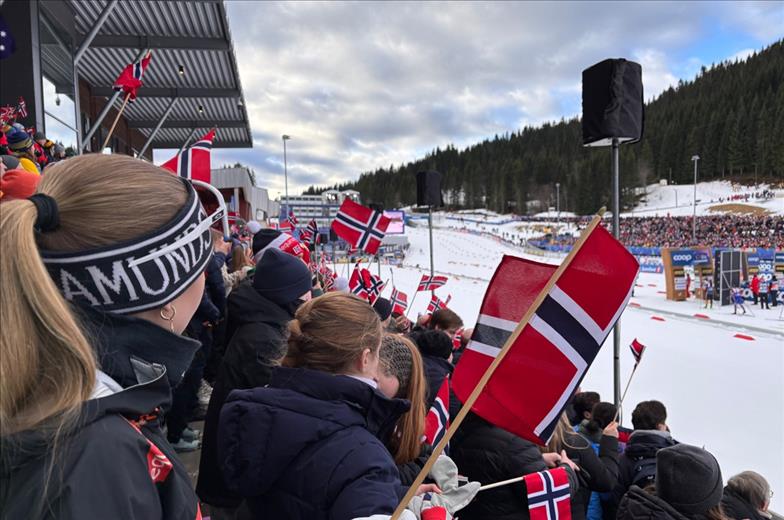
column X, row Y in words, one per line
column 721, row 391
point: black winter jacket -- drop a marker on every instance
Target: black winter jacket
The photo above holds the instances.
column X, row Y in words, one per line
column 257, row 340
column 436, row 370
column 639, row 505
column 738, row 508
column 309, row 446
column 597, row 472
column 487, row 454
column 115, row 461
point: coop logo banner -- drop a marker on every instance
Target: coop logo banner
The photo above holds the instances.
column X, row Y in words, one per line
column 682, row 257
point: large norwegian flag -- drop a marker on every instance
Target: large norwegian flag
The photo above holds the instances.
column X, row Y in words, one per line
column 431, row 283
column 437, row 419
column 437, row 304
column 548, row 495
column 360, row 226
column 194, row 162
column 399, row 301
column 549, row 356
column 130, row 79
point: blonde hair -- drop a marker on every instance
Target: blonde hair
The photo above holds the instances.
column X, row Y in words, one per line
column 406, row 444
column 330, row 332
column 558, row 441
column 751, row 487
column 47, row 366
column 239, row 259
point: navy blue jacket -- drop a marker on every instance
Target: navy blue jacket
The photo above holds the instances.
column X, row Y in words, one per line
column 309, row 446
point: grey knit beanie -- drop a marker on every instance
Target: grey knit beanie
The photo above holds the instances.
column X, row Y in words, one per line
column 688, row 478
column 396, row 360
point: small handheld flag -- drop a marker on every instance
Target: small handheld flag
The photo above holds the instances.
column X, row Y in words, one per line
column 130, row 79
column 21, row 107
column 437, row 419
column 437, row 304
column 194, row 162
column 360, row 226
column 399, row 301
column 431, row 283
column 548, row 495
column 637, row 349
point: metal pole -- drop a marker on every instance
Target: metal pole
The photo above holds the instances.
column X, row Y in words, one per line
column 696, row 159
column 616, row 198
column 430, row 227
column 558, row 201
column 94, row 30
column 97, row 124
column 188, row 140
column 158, row 126
column 286, row 169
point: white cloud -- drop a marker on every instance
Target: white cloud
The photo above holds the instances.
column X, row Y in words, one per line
column 364, row 85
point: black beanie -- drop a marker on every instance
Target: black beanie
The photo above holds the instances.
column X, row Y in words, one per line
column 281, row 277
column 263, row 238
column 383, row 308
column 434, row 343
column 688, row 478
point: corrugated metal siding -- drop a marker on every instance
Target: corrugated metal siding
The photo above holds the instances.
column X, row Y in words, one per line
column 152, row 17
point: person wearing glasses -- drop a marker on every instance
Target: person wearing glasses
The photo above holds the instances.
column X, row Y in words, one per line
column 102, row 269
column 747, row 495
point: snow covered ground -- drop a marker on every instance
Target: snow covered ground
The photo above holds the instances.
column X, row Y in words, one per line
column 721, row 392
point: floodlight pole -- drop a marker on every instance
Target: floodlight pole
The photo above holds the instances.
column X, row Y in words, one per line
column 430, row 227
column 286, row 169
column 695, row 159
column 558, row 202
column 616, row 200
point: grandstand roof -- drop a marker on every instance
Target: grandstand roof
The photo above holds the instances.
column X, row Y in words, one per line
column 194, row 35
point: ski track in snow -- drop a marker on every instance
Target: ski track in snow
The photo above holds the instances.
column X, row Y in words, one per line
column 721, row 392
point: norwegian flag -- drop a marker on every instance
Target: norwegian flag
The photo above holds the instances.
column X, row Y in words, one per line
column 437, row 304
column 21, row 107
column 365, row 285
column 437, row 419
column 550, row 355
column 194, row 162
column 310, row 233
column 360, row 226
column 431, row 283
column 548, row 495
column 637, row 349
column 356, row 284
column 292, row 219
column 399, row 301
column 130, row 79
column 374, row 286
column 457, row 339
column 7, row 114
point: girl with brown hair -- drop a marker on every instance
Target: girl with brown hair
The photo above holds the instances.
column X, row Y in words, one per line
column 310, row 444
column 101, row 271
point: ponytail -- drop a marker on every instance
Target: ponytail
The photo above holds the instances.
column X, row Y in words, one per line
column 47, row 367
column 406, row 443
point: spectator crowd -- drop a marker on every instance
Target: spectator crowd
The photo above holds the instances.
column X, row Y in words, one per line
column 316, row 399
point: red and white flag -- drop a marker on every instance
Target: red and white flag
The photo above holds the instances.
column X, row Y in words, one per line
column 399, row 301
column 437, row 304
column 194, row 162
column 548, row 495
column 457, row 339
column 130, row 79
column 360, row 226
column 437, row 419
column 21, row 107
column 549, row 357
column 310, row 234
column 637, row 349
column 431, row 283
column 365, row 285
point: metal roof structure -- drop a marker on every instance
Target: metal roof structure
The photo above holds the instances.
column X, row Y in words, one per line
column 192, row 37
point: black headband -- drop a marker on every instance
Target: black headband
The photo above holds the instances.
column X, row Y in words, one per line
column 140, row 274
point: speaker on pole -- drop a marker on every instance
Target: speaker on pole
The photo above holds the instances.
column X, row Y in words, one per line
column 612, row 103
column 429, row 189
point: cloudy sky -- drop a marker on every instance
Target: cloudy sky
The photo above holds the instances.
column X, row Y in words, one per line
column 364, row 85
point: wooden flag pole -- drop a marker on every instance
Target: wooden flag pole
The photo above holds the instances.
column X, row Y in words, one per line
column 623, row 396
column 411, row 306
column 501, row 483
column 469, row 403
column 111, row 130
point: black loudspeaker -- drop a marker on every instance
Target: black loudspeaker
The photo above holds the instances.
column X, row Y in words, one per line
column 429, row 189
column 612, row 103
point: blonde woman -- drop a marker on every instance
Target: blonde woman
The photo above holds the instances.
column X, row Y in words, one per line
column 101, row 271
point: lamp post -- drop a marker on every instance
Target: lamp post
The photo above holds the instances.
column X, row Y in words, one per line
column 558, row 202
column 285, row 168
column 694, row 158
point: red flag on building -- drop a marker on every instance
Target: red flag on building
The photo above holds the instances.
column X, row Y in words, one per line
column 130, row 79
column 552, row 352
column 360, row 226
column 194, row 161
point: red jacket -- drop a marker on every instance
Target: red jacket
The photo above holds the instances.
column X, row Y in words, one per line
column 755, row 283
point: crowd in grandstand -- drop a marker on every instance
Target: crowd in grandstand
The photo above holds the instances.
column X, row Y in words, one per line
column 317, row 399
